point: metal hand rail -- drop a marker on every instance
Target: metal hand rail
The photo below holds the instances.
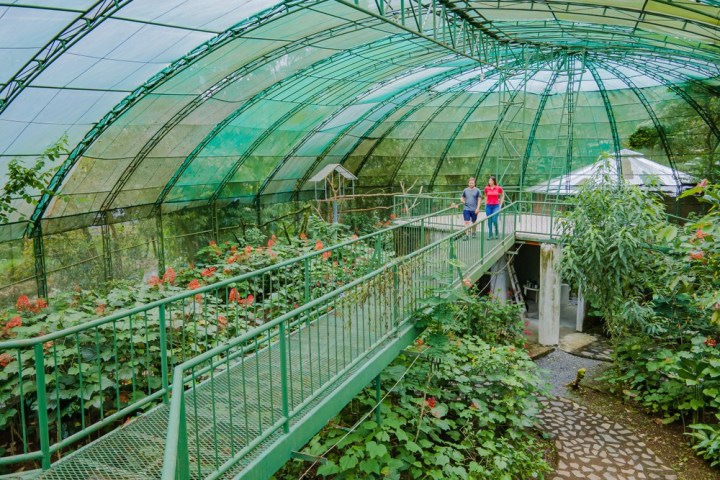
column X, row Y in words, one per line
column 121, row 363
column 354, row 319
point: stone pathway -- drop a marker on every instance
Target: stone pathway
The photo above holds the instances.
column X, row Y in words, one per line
column 590, row 446
column 601, row 349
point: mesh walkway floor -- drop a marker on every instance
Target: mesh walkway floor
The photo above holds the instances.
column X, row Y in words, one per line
column 322, row 352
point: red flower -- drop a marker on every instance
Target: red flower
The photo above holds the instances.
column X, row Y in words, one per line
column 154, row 281
column 222, row 322
column 697, row 255
column 711, row 342
column 208, row 271
column 527, row 324
column 233, row 296
column 212, row 243
column 392, row 216
column 231, row 259
column 248, row 249
column 198, row 298
column 326, row 255
column 271, row 242
column 699, row 234
column 318, row 245
column 431, row 402
column 419, row 342
column 47, row 346
column 40, row 304
column 13, row 322
column 247, row 301
column 194, row 284
column 100, row 310
column 169, row 276
column 467, row 283
column 303, row 236
column 23, row 303
column 233, row 249
column 5, row 359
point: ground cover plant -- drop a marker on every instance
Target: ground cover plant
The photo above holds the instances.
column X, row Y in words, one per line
column 460, row 404
column 659, row 293
column 93, row 374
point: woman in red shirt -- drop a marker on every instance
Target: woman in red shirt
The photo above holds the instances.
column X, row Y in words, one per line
column 494, row 196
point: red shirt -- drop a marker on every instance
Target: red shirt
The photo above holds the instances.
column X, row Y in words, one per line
column 492, row 195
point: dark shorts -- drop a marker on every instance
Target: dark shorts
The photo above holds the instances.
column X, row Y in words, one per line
column 470, row 215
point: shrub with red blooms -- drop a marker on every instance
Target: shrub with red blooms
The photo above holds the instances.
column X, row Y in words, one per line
column 5, row 359
column 326, row 255
column 431, row 402
column 194, row 284
column 23, row 303
column 154, row 281
column 233, row 296
column 319, row 245
column 169, row 276
column 711, row 342
column 208, row 272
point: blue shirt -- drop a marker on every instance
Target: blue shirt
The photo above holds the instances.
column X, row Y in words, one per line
column 472, row 197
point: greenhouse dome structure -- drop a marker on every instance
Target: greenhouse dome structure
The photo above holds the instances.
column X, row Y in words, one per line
column 156, row 127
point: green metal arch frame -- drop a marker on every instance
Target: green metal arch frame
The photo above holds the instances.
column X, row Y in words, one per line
column 653, row 117
column 270, row 130
column 414, row 92
column 59, row 44
column 200, row 100
column 251, row 23
column 418, row 90
column 536, row 120
column 610, row 116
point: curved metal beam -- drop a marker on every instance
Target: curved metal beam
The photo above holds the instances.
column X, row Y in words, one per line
column 656, row 122
column 536, row 121
column 682, row 93
column 255, row 99
column 419, row 89
column 498, row 123
column 200, row 100
column 238, row 30
column 428, row 83
column 59, row 44
column 610, row 116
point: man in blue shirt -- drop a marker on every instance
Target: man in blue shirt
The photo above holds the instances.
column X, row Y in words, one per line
column 471, row 199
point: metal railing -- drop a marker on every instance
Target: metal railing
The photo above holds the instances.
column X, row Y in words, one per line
column 61, row 387
column 239, row 397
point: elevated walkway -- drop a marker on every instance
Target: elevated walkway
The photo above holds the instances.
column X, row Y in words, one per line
column 241, row 408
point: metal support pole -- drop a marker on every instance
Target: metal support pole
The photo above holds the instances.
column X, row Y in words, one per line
column 40, row 270
column 161, row 241
column 214, row 221
column 107, row 251
column 284, row 379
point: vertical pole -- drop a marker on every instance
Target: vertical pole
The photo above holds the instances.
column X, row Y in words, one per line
column 107, row 250
column 42, row 406
column 214, row 221
column 183, row 458
column 161, row 241
column 378, row 401
column 396, row 298
column 40, row 269
column 284, row 379
column 163, row 354
column 307, row 280
column 257, row 212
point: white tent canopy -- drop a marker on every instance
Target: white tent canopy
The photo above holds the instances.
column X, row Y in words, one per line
column 636, row 170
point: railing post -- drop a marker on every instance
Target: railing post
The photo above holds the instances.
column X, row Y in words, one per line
column 163, row 354
column 284, row 379
column 183, row 455
column 482, row 240
column 396, row 297
column 42, row 406
column 376, row 255
column 161, row 242
column 307, row 279
column 422, row 233
column 451, row 256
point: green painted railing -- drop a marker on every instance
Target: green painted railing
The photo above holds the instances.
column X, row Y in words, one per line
column 67, row 385
column 239, row 398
